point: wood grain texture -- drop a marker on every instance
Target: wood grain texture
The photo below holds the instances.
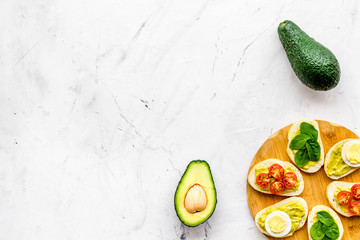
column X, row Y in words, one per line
column 315, row 183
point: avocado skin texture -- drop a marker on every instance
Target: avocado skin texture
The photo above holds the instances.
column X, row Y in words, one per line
column 314, row 64
column 182, row 198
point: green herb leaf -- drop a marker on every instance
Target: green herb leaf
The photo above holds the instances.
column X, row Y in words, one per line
column 316, row 231
column 298, row 142
column 331, row 231
column 327, row 238
column 313, row 148
column 325, row 218
column 308, row 129
column 301, row 157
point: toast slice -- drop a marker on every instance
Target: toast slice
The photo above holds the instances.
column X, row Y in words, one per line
column 268, row 163
column 318, row 208
column 330, row 195
column 327, row 159
column 302, row 221
column 292, row 131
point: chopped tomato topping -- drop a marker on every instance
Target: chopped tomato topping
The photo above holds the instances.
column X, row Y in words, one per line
column 277, row 187
column 354, row 208
column 344, row 197
column 276, row 171
column 355, row 190
column 290, row 179
column 263, row 180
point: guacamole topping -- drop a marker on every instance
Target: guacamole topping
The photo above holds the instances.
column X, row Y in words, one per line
column 309, row 164
column 265, row 169
column 339, row 189
column 336, row 165
column 294, row 209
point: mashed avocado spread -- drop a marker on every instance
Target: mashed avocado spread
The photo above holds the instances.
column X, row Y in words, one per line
column 339, row 189
column 265, row 169
column 336, row 165
column 309, row 164
column 294, row 209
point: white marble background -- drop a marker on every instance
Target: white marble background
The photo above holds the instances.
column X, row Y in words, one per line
column 104, row 103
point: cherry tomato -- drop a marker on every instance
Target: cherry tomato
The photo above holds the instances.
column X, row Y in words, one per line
column 290, row 179
column 344, row 197
column 276, row 171
column 355, row 190
column 277, row 187
column 263, row 180
column 354, row 208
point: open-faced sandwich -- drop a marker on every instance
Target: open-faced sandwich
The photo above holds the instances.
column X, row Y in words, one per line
column 273, row 176
column 324, row 223
column 305, row 147
column 283, row 218
column 344, row 197
column 343, row 158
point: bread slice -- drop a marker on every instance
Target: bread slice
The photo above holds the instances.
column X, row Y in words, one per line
column 302, row 221
column 328, row 156
column 330, row 191
column 293, row 129
column 318, row 208
column 268, row 163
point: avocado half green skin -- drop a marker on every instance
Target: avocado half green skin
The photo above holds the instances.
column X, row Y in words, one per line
column 197, row 172
column 315, row 65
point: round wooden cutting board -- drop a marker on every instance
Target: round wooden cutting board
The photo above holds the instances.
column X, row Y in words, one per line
column 315, row 183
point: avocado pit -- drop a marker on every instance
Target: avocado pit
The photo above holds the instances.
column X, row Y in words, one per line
column 195, row 200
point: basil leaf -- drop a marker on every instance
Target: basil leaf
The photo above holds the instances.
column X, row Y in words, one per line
column 298, row 142
column 331, row 231
column 301, row 157
column 313, row 148
column 316, row 231
column 325, row 218
column 326, row 238
column 308, row 129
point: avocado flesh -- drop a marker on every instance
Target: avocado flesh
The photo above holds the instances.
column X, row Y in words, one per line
column 314, row 64
column 197, row 172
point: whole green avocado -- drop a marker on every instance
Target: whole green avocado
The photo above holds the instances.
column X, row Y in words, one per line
column 314, row 64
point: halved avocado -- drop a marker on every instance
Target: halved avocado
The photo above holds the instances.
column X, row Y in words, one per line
column 195, row 196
